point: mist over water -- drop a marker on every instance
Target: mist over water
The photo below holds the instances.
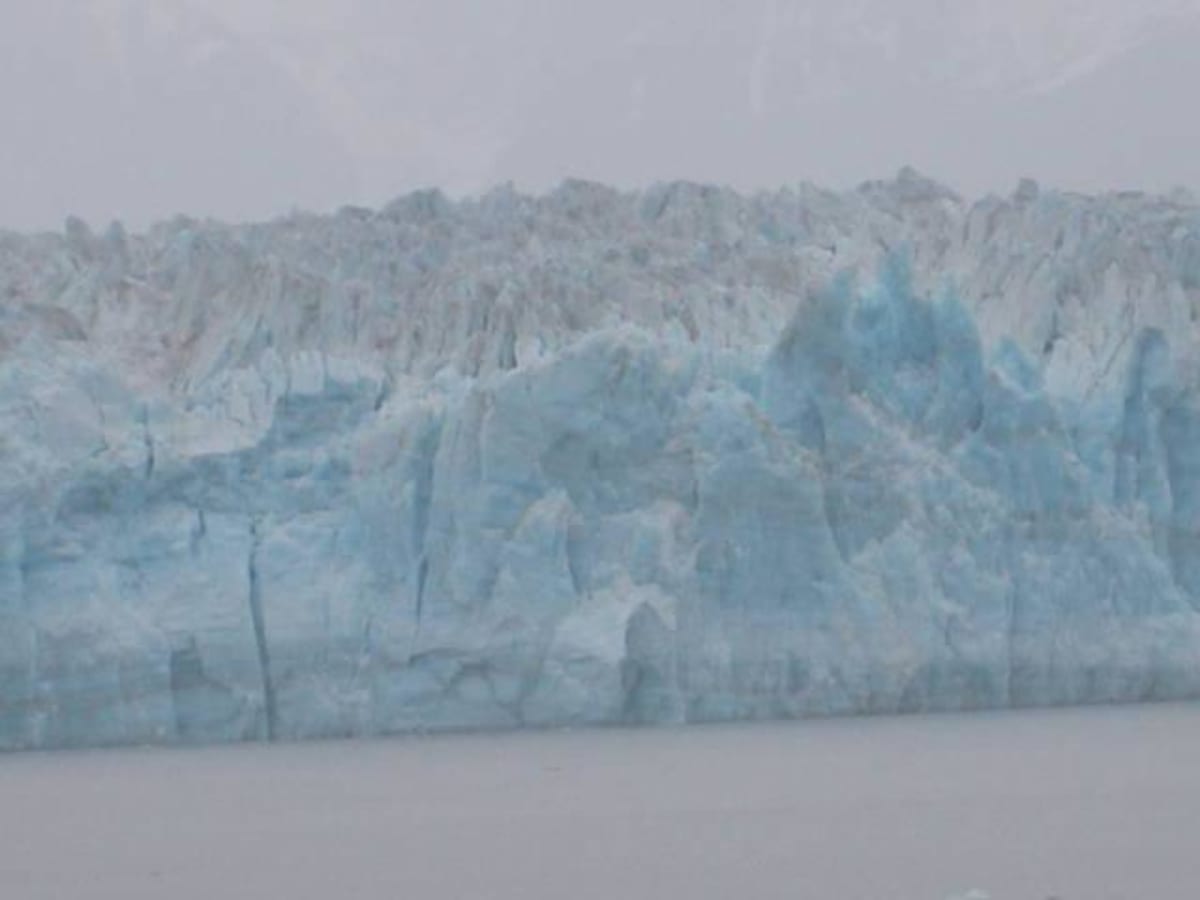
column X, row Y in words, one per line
column 1093, row 804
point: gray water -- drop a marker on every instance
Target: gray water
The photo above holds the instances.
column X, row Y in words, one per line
column 1077, row 805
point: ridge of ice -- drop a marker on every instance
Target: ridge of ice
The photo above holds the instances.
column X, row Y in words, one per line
column 598, row 457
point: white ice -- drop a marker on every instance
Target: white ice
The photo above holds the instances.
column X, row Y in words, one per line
column 597, row 457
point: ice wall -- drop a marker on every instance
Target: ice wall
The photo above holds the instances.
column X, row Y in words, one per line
column 598, row 457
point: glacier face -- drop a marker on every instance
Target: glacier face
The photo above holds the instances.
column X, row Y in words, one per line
column 598, row 457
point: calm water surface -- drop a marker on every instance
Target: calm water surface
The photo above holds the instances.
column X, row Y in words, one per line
column 1077, row 805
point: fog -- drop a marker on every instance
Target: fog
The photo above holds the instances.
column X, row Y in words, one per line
column 140, row 109
column 1071, row 804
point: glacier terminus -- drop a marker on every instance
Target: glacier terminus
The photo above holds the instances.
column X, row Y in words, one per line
column 597, row 457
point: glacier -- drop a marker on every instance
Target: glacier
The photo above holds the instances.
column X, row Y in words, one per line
column 598, row 457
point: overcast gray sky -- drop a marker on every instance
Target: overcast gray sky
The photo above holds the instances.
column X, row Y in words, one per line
column 138, row 109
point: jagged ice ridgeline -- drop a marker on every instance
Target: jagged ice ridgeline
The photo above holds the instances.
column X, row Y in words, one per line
column 598, row 457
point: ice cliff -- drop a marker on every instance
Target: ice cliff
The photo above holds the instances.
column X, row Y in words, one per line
column 598, row 457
